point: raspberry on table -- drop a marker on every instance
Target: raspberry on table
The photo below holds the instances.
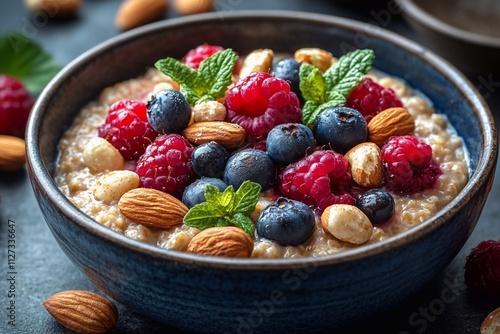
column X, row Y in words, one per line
column 166, row 165
column 261, row 101
column 320, row 179
column 126, row 127
column 15, row 106
column 408, row 165
column 195, row 56
column 370, row 98
column 482, row 267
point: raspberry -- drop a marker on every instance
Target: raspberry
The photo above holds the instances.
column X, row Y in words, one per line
column 320, row 179
column 261, row 101
column 166, row 165
column 370, row 98
column 127, row 128
column 482, row 267
column 408, row 165
column 15, row 106
column 195, row 56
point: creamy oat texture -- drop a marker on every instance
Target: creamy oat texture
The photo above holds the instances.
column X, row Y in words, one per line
column 76, row 181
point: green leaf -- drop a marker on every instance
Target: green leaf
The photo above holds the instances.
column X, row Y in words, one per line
column 243, row 222
column 202, row 216
column 179, row 72
column 26, row 60
column 246, row 197
column 312, row 84
column 347, row 72
column 209, row 83
column 225, row 208
column 310, row 112
column 214, row 73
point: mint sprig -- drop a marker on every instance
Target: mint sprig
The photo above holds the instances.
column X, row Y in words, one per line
column 323, row 90
column 226, row 208
column 26, row 60
column 208, row 83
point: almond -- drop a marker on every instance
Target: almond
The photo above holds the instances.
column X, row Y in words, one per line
column 227, row 241
column 152, row 208
column 388, row 123
column 12, row 153
column 491, row 324
column 82, row 311
column 55, row 8
column 366, row 165
column 189, row 7
column 229, row 135
column 134, row 13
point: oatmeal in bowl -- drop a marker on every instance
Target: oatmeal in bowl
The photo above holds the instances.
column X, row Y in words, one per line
column 324, row 154
column 230, row 267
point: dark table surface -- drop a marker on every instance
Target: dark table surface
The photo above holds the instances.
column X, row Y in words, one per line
column 445, row 306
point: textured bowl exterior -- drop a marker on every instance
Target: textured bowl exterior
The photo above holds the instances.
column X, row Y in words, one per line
column 220, row 295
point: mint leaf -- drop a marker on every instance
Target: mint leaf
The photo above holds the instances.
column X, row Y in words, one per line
column 243, row 222
column 312, row 84
column 225, row 208
column 346, row 73
column 329, row 89
column 214, row 73
column 209, row 83
column 202, row 216
column 25, row 59
column 310, row 111
column 246, row 198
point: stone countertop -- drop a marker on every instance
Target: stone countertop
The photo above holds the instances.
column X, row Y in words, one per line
column 42, row 269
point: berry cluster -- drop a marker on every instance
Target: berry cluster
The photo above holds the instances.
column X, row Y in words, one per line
column 304, row 166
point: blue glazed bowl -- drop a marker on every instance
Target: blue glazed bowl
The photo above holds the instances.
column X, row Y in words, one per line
column 214, row 295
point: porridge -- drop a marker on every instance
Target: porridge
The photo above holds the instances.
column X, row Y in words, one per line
column 400, row 163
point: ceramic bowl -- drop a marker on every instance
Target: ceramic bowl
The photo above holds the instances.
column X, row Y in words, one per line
column 466, row 31
column 211, row 294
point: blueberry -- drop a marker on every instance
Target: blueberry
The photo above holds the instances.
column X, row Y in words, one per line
column 195, row 192
column 250, row 164
column 168, row 112
column 340, row 128
column 377, row 204
column 286, row 221
column 209, row 159
column 288, row 69
column 287, row 143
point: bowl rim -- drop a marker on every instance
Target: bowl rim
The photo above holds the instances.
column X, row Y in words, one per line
column 40, row 174
column 412, row 10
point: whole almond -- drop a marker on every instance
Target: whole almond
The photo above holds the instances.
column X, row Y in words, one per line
column 134, row 13
column 189, row 7
column 12, row 153
column 365, row 163
column 229, row 135
column 390, row 122
column 227, row 241
column 491, row 324
column 82, row 311
column 55, row 8
column 152, row 208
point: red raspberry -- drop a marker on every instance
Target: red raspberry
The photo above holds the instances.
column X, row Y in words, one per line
column 320, row 179
column 482, row 267
column 195, row 56
column 408, row 165
column 370, row 98
column 15, row 106
column 127, row 128
column 166, row 165
column 261, row 101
